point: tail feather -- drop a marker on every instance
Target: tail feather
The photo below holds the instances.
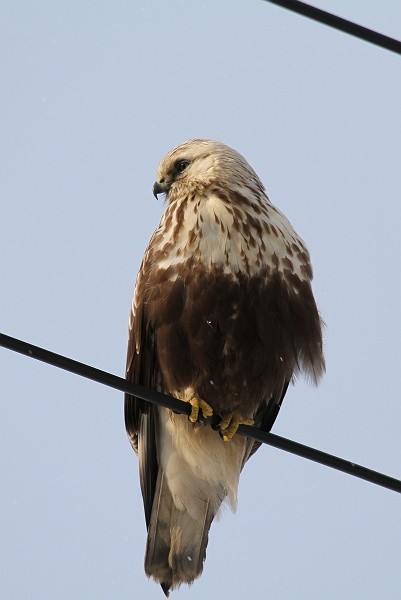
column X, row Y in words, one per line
column 158, row 543
column 176, row 546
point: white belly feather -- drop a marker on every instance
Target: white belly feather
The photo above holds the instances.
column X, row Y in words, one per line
column 198, row 464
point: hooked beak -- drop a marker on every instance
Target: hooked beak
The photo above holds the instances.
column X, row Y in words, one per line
column 159, row 188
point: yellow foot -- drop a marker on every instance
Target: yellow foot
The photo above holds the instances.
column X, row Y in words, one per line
column 198, row 405
column 229, row 424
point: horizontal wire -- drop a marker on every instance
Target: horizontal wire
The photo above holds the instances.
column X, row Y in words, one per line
column 322, row 16
column 118, row 383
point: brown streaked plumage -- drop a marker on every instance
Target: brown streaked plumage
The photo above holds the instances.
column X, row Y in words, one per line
column 223, row 312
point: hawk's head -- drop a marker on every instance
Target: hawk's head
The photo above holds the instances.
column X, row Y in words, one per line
column 196, row 165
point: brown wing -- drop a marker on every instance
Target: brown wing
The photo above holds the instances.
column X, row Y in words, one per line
column 265, row 417
column 141, row 416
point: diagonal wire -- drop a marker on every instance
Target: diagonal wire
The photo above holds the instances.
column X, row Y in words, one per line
column 322, row 16
column 118, row 383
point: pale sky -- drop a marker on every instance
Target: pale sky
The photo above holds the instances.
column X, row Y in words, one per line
column 93, row 95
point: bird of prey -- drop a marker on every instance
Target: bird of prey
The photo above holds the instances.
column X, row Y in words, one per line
column 223, row 317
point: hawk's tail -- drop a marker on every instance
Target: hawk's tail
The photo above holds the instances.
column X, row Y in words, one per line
column 176, row 545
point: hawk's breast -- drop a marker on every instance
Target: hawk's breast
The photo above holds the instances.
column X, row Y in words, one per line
column 239, row 237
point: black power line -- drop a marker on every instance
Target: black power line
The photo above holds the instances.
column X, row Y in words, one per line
column 363, row 33
column 118, row 383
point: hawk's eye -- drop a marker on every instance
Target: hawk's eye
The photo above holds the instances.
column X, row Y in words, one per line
column 181, row 165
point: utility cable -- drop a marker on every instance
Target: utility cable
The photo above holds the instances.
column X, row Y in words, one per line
column 118, row 383
column 322, row 16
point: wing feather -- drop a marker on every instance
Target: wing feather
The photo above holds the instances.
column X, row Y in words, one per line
column 141, row 416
